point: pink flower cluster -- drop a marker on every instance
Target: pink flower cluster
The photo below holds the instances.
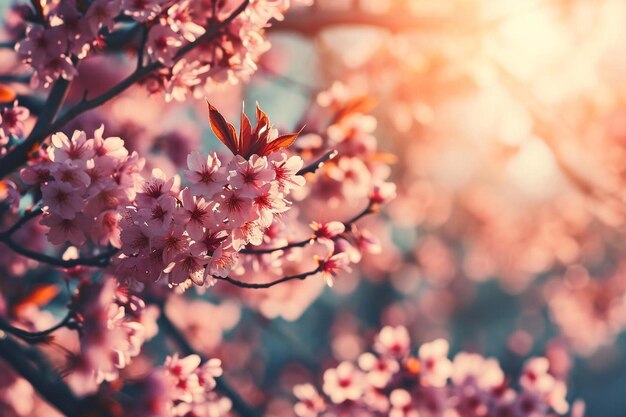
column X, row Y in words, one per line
column 226, row 58
column 190, row 387
column 194, row 234
column 391, row 382
column 181, row 388
column 68, row 31
column 84, row 183
column 64, row 30
column 113, row 326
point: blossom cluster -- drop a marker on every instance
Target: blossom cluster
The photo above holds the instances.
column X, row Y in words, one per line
column 59, row 34
column 182, row 387
column 226, row 58
column 84, row 183
column 194, row 234
column 113, row 326
column 391, row 381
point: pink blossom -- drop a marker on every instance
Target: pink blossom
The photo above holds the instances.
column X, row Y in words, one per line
column 222, row 261
column 77, row 149
column 249, row 175
column 436, row 367
column 70, row 173
column 12, row 119
column 235, row 208
column 343, row 383
column 286, row 169
column 475, row 369
column 62, row 199
column 109, row 152
column 65, row 230
column 106, row 229
column 536, row 377
column 268, row 203
column 159, row 216
column 155, row 188
column 163, row 43
column 379, row 370
column 186, row 266
column 204, row 174
column 184, row 381
column 393, row 341
column 332, row 265
column 310, row 402
column 402, row 404
column 196, row 214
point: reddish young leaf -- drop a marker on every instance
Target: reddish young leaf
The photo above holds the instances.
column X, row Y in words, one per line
column 245, row 131
column 249, row 142
column 224, row 131
column 280, row 142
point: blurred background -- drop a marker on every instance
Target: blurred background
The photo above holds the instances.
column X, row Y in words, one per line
column 509, row 126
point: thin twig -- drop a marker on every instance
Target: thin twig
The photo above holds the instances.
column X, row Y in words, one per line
column 98, row 261
column 142, row 46
column 29, row 215
column 250, row 285
column 299, row 244
column 35, row 337
column 314, row 166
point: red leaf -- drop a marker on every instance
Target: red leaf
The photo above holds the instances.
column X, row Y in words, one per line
column 245, row 132
column 224, row 131
column 280, row 142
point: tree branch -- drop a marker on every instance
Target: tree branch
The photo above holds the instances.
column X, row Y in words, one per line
column 270, row 284
column 29, row 215
column 35, row 337
column 314, row 166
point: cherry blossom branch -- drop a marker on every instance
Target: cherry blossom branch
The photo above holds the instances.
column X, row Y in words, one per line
column 45, row 124
column 299, row 244
column 239, row 404
column 40, row 375
column 36, row 337
column 314, row 166
column 29, row 215
column 251, row 285
column 99, row 261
